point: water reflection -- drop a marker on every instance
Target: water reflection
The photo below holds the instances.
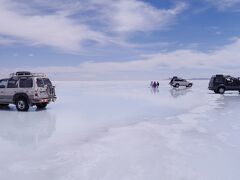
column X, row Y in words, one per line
column 229, row 101
column 175, row 93
column 26, row 128
column 154, row 90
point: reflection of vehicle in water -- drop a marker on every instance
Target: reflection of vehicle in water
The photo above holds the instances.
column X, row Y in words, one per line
column 221, row 83
column 26, row 128
column 229, row 101
column 176, row 82
column 179, row 92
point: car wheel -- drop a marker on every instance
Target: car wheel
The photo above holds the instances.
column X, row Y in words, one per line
column 41, row 106
column 221, row 90
column 22, row 104
column 176, row 86
column 189, row 85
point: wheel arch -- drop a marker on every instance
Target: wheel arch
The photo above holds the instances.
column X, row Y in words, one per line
column 221, row 86
column 18, row 95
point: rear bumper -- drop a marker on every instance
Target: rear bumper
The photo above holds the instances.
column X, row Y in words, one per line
column 43, row 100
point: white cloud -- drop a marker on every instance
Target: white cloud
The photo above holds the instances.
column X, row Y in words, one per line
column 162, row 65
column 55, row 30
column 31, row 23
column 121, row 15
column 224, row 4
column 226, row 57
column 6, row 41
column 129, row 16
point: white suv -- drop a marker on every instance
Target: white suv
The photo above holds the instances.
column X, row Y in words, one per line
column 176, row 82
column 25, row 89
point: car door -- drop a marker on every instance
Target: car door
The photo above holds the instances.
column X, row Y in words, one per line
column 238, row 83
column 3, row 86
column 184, row 82
column 230, row 83
column 25, row 85
column 235, row 84
column 11, row 90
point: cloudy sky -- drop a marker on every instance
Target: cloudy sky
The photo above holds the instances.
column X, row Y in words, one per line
column 120, row 39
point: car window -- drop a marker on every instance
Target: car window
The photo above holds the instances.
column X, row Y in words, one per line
column 26, row 83
column 3, row 82
column 40, row 82
column 218, row 80
column 12, row 83
column 229, row 80
column 47, row 82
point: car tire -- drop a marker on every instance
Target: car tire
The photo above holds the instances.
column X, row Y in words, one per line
column 22, row 104
column 176, row 86
column 41, row 106
column 189, row 85
column 221, row 90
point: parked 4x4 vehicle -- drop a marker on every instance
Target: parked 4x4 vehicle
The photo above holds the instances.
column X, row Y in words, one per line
column 25, row 89
column 221, row 83
column 176, row 82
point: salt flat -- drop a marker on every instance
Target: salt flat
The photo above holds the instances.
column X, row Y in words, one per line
column 124, row 131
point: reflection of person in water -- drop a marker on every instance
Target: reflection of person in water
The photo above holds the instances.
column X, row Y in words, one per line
column 154, row 90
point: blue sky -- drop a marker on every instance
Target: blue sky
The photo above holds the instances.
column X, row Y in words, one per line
column 120, row 40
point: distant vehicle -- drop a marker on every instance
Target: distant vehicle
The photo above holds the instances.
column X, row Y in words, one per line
column 221, row 83
column 176, row 82
column 25, row 89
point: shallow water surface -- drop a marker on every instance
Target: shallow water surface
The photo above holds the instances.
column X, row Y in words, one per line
column 123, row 130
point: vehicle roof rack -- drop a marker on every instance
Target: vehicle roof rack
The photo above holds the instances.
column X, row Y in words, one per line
column 27, row 74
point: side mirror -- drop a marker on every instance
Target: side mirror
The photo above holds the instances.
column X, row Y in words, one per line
column 2, row 86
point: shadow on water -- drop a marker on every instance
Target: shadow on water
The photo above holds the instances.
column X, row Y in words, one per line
column 26, row 128
column 178, row 92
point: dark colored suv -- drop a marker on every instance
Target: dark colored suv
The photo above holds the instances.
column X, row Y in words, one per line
column 221, row 83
